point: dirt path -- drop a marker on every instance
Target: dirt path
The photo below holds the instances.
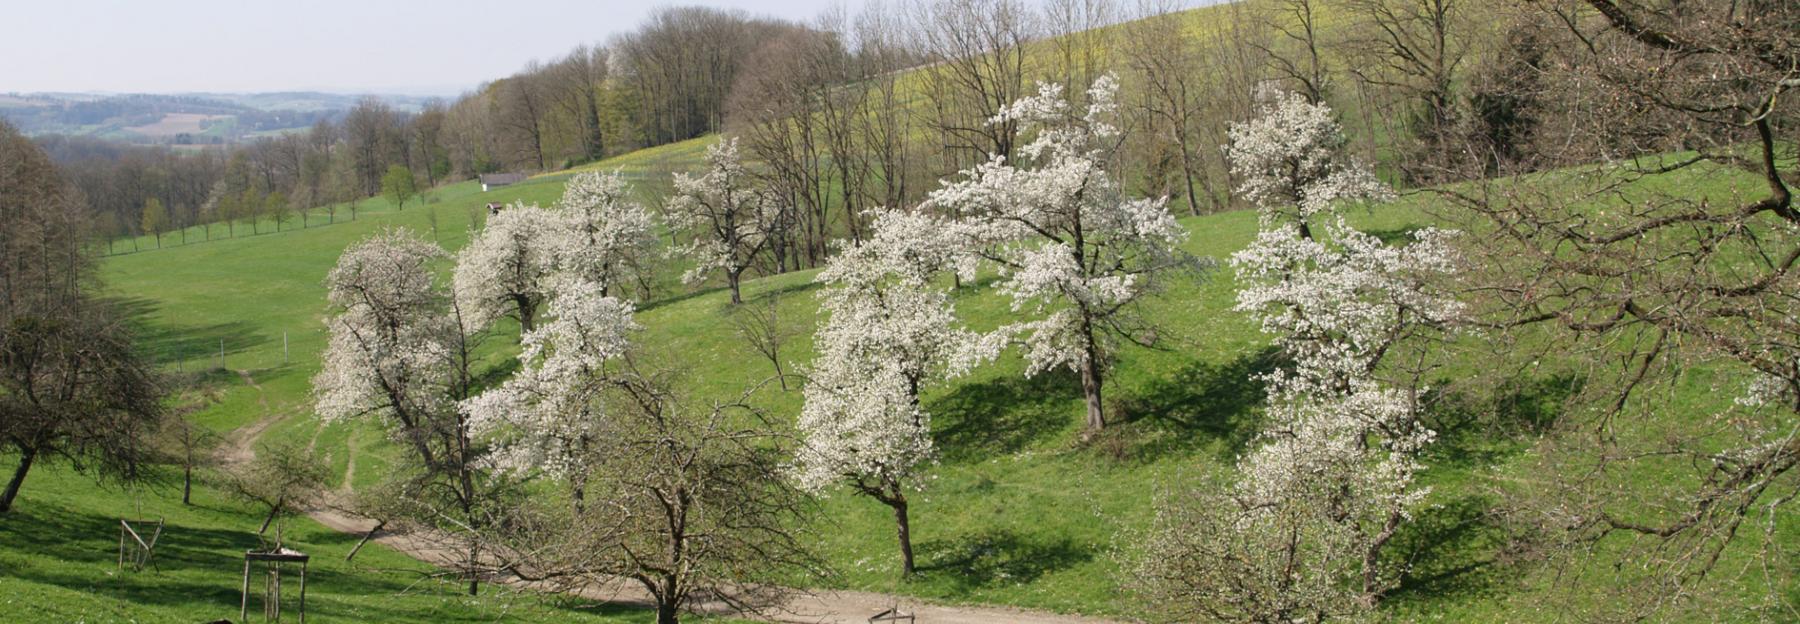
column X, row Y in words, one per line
column 823, row 607
column 240, row 444
column 349, row 462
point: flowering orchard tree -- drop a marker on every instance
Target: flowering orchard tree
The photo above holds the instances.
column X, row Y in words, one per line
column 1293, row 163
column 1282, row 542
column 506, row 268
column 596, row 235
column 548, row 416
column 397, row 352
column 1071, row 248
column 1334, row 476
column 888, row 332
column 391, row 343
column 727, row 219
column 604, row 237
column 1337, row 306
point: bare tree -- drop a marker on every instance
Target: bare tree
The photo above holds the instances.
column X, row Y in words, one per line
column 71, row 382
column 1645, row 264
column 576, row 82
column 1175, row 82
column 977, row 63
column 779, row 110
column 1077, row 31
column 1417, row 49
column 689, row 500
column 368, row 131
column 520, row 106
column 763, row 327
column 1297, row 49
column 283, row 478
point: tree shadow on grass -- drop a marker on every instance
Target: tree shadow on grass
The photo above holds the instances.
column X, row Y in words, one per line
column 673, row 299
column 995, row 557
column 1481, row 428
column 762, row 296
column 1396, row 237
column 1000, row 416
column 1453, row 551
column 91, row 541
column 1201, row 404
column 166, row 342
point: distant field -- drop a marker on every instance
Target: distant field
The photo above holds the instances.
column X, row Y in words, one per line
column 13, row 101
column 176, row 123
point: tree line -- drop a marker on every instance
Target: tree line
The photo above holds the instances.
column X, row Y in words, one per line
column 854, row 110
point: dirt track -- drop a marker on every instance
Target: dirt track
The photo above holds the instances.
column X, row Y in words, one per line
column 822, row 607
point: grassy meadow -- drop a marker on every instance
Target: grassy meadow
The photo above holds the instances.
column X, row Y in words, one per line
column 1017, row 512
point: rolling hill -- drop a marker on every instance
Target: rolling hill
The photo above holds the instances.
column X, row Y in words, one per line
column 1019, row 510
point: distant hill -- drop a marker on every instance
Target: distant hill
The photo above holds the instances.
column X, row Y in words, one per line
column 188, row 118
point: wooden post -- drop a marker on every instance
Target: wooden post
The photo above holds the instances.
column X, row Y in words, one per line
column 284, row 348
column 221, row 354
column 244, row 597
column 303, row 592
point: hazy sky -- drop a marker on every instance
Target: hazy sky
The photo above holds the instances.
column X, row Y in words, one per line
column 416, row 46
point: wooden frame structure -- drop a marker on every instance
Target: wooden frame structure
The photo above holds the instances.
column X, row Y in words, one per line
column 891, row 615
column 274, row 561
column 134, row 549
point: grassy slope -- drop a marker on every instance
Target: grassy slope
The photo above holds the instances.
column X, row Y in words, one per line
column 1016, row 513
column 58, row 555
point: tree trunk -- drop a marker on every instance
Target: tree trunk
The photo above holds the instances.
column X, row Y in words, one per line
column 187, row 477
column 665, row 613
column 1187, row 172
column 475, row 566
column 527, row 312
column 903, row 528
column 731, row 278
column 18, row 479
column 1090, row 382
column 1371, row 577
column 1090, row 388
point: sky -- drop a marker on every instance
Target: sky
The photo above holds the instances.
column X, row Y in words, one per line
column 412, row 47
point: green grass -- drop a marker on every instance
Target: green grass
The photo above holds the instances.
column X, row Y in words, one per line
column 1018, row 512
column 58, row 563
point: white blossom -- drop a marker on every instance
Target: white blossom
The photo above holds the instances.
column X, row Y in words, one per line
column 390, row 344
column 888, row 331
column 1292, row 162
column 728, row 219
column 1334, row 472
column 547, row 416
column 1072, row 250
column 1335, row 304
column 604, row 237
column 1765, row 389
column 506, row 267
column 1320, row 448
